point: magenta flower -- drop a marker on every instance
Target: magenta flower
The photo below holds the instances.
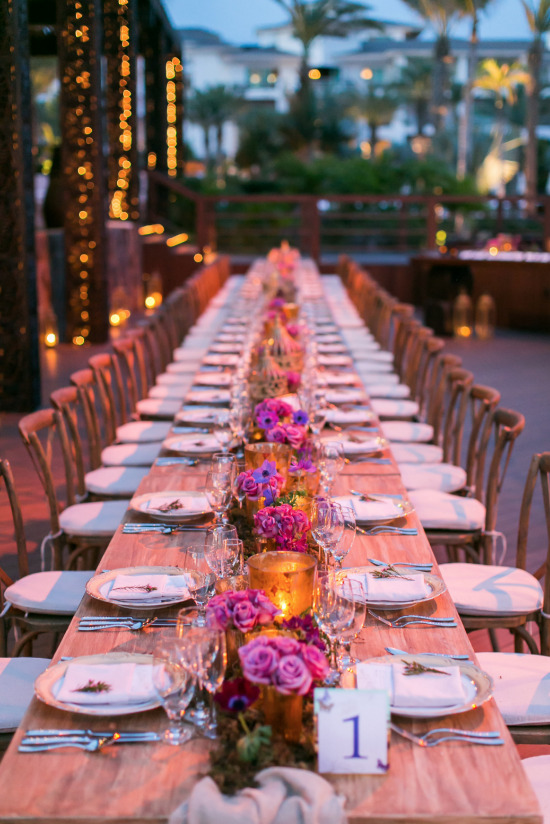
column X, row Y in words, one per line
column 242, row 610
column 236, row 695
column 266, row 471
column 277, row 434
column 292, row 676
column 245, row 616
column 316, row 662
column 258, row 661
column 300, row 417
column 266, row 420
column 295, row 435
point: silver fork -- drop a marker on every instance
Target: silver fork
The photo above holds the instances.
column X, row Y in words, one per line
column 92, row 745
column 420, row 567
column 406, row 620
column 390, row 530
column 430, row 740
column 134, row 624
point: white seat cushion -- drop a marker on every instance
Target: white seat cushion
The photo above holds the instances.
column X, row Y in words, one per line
column 184, row 367
column 191, row 353
column 521, row 685
column 97, row 519
column 538, row 771
column 131, row 454
column 481, row 589
column 371, row 367
column 176, row 378
column 56, row 593
column 365, row 353
column 143, row 431
column 171, row 392
column 440, row 510
column 385, row 408
column 378, row 378
column 154, row 408
column 384, row 390
column 115, row 481
column 442, row 476
column 417, row 453
column 405, row 431
column 17, row 677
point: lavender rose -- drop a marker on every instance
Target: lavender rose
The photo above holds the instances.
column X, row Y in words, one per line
column 292, row 676
column 316, row 662
column 277, row 434
column 258, row 661
column 245, row 616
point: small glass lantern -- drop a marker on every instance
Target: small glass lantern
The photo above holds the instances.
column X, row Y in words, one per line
column 462, row 316
column 286, row 577
column 485, row 317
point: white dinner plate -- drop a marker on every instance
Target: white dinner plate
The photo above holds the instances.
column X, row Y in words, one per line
column 478, row 686
column 204, row 396
column 394, row 508
column 359, row 446
column 213, row 379
column 192, row 444
column 99, row 587
column 435, row 584
column 204, row 415
column 48, row 682
column 194, row 505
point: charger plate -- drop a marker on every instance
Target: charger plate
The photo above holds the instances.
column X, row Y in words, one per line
column 478, row 685
column 47, row 683
column 435, row 584
column 147, row 504
column 98, row 586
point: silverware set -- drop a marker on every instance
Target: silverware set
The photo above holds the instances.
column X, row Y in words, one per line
column 380, row 529
column 434, row 737
column 105, row 623
column 180, row 461
column 395, row 651
column 365, row 459
column 87, row 740
column 419, row 567
column 165, row 529
column 408, row 620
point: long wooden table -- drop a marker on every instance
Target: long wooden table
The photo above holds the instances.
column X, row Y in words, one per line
column 145, row 783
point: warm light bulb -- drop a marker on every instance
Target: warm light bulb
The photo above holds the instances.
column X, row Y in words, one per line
column 115, row 319
column 50, row 339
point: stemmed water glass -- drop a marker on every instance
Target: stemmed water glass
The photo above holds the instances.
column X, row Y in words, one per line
column 327, row 525
column 340, row 548
column 225, row 559
column 334, row 610
column 218, row 489
column 209, row 663
column 331, row 460
column 174, row 685
column 222, row 431
column 345, row 658
column 195, row 559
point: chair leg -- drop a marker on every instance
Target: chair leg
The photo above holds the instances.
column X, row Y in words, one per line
column 494, row 640
column 521, row 635
column 23, row 645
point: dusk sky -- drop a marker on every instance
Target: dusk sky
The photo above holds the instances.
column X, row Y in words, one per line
column 236, row 20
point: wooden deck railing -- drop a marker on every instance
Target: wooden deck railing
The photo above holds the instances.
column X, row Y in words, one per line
column 331, row 224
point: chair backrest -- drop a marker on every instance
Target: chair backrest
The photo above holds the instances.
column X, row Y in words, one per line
column 95, row 416
column 434, row 389
column 455, row 407
column 483, row 401
column 110, row 386
column 538, row 469
column 68, row 402
column 19, row 530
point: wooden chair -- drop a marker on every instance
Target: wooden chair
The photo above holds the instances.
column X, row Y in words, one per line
column 470, row 522
column 99, row 481
column 37, row 603
column 82, row 530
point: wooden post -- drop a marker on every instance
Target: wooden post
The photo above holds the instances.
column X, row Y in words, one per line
column 20, row 367
column 431, row 222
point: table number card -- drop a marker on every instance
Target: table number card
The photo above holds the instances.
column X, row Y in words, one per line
column 352, row 730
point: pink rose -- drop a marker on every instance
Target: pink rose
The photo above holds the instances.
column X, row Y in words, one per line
column 276, row 434
column 295, row 435
column 217, row 616
column 292, row 676
column 252, row 488
column 245, row 616
column 287, row 645
column 301, row 521
column 316, row 662
column 284, row 409
column 258, row 661
column 286, row 525
column 266, row 608
column 265, row 525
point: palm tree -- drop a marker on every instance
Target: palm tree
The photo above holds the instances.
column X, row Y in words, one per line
column 376, row 106
column 440, row 14
column 538, row 18
column 310, row 20
column 415, row 86
column 501, row 81
column 212, row 108
column 472, row 9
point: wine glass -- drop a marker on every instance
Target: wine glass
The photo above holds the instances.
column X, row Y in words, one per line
column 218, row 489
column 334, row 610
column 195, row 559
column 327, row 524
column 340, row 548
column 234, row 549
column 223, row 462
column 174, row 685
column 345, row 658
column 222, row 432
column 210, row 663
column 331, row 461
column 224, row 559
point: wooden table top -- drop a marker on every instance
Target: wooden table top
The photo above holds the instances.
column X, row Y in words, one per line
column 456, row 783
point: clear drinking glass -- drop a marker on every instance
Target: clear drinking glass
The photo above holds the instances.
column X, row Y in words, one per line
column 195, row 559
column 348, row 635
column 331, row 460
column 334, row 610
column 174, row 685
column 327, row 524
column 225, row 559
column 218, row 489
column 211, row 661
column 344, row 543
column 222, row 432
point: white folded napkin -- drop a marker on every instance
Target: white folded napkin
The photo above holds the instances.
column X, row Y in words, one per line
column 367, row 511
column 200, row 414
column 330, row 338
column 410, row 587
column 429, row 689
column 328, row 378
column 152, row 587
column 187, row 504
column 328, row 348
column 349, row 416
column 213, row 378
column 195, row 444
column 364, row 446
column 284, row 796
column 129, row 683
column 209, row 396
column 345, row 395
column 221, row 360
column 226, row 347
column 334, row 360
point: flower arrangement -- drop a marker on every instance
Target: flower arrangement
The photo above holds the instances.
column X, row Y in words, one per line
column 281, row 423
column 283, row 662
column 305, row 629
column 242, row 610
column 264, row 482
column 288, row 526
